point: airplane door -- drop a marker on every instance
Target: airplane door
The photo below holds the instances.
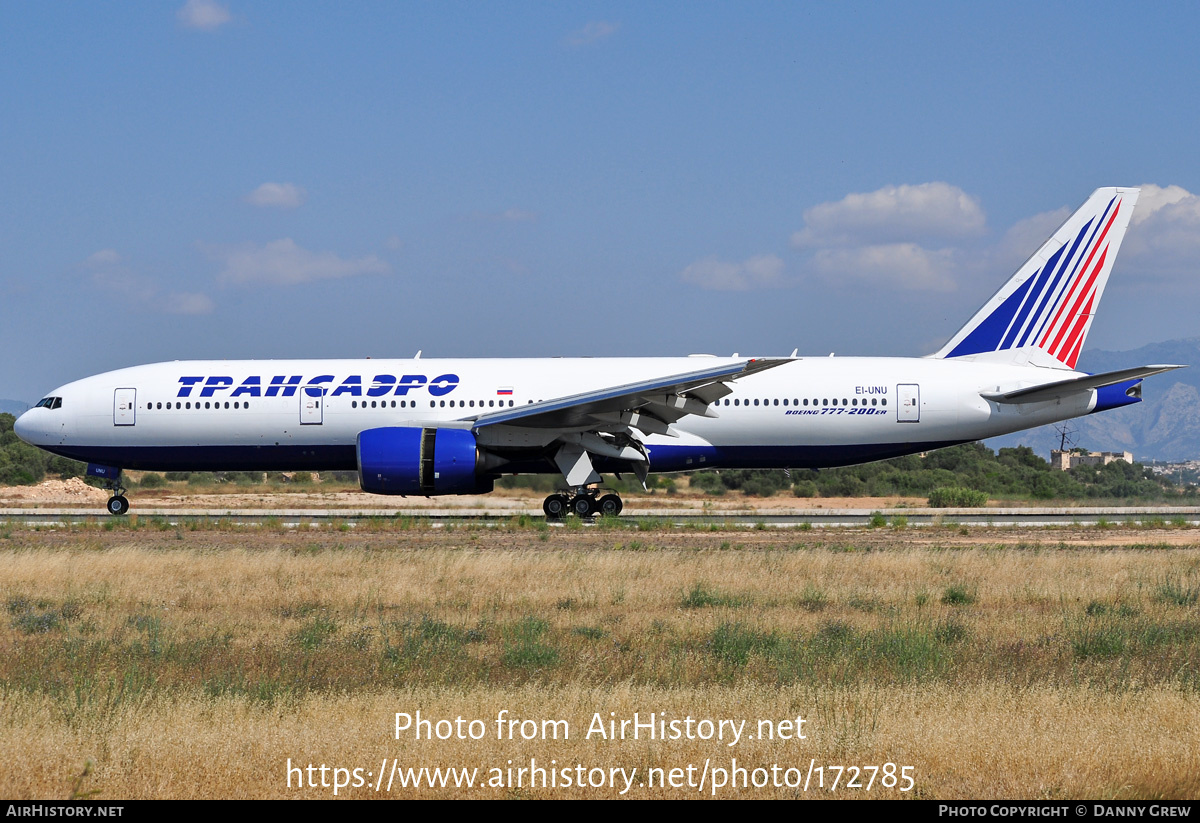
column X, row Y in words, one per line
column 312, row 399
column 124, row 407
column 908, row 403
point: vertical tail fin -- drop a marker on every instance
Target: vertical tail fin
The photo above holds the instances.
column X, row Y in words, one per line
column 1042, row 315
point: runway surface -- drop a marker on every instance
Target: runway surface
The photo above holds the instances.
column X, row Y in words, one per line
column 798, row 518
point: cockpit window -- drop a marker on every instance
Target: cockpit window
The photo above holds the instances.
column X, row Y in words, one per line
column 49, row 403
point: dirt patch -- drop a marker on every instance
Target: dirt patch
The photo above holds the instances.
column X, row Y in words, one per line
column 71, row 492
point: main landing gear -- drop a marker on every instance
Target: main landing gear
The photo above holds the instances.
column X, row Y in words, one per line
column 584, row 502
column 117, row 504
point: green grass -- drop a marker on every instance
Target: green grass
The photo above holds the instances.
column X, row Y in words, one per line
column 1177, row 592
column 525, row 647
column 958, row 595
column 701, row 596
column 314, row 634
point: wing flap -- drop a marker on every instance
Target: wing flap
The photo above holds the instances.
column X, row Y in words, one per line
column 664, row 398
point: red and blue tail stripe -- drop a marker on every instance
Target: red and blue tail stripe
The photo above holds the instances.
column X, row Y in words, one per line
column 1048, row 306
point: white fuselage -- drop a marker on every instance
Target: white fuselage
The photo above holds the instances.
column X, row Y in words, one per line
column 258, row 415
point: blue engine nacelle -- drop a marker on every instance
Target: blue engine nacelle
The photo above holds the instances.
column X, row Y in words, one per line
column 411, row 460
column 1117, row 395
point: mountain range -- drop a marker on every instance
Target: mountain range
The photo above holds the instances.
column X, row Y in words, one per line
column 13, row 407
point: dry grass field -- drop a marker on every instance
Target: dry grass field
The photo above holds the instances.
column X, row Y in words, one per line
column 195, row 662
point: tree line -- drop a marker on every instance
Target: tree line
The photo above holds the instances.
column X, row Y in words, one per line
column 1009, row 473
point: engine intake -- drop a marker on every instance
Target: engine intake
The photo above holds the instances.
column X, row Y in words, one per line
column 411, row 460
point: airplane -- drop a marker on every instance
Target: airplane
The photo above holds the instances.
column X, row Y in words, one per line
column 441, row 427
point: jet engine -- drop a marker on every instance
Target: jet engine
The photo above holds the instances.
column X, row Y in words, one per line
column 411, row 460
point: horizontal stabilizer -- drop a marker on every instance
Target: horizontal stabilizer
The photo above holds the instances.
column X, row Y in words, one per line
column 1063, row 388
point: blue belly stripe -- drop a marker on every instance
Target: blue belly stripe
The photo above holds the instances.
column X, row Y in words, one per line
column 665, row 458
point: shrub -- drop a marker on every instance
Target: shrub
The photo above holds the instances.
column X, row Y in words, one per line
column 956, row 497
column 805, row 488
column 958, row 596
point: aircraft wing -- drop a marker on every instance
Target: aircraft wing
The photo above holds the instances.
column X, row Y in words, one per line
column 666, row 399
column 609, row 422
column 1062, row 388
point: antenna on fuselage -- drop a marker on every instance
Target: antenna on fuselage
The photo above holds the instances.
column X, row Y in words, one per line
column 417, row 356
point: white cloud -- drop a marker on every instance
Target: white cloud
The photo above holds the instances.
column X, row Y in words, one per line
column 592, row 32
column 206, row 15
column 904, row 266
column 892, row 214
column 283, row 263
column 115, row 280
column 277, row 195
column 104, row 257
column 1154, row 199
column 763, row 271
column 186, row 303
column 1164, row 235
column 1025, row 237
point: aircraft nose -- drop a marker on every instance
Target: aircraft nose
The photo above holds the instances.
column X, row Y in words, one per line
column 24, row 427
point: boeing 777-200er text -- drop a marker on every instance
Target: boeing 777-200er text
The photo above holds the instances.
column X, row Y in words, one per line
column 429, row 427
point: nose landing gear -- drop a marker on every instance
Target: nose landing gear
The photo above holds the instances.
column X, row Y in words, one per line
column 117, row 504
column 584, row 502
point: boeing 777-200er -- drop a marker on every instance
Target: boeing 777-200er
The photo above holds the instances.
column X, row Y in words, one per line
column 430, row 427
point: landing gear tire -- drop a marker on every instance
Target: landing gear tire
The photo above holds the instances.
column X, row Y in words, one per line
column 583, row 505
column 555, row 506
column 609, row 505
column 118, row 505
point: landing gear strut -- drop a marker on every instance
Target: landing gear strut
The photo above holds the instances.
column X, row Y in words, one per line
column 585, row 502
column 117, row 504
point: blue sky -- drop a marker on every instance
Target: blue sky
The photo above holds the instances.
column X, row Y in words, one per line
column 246, row 179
